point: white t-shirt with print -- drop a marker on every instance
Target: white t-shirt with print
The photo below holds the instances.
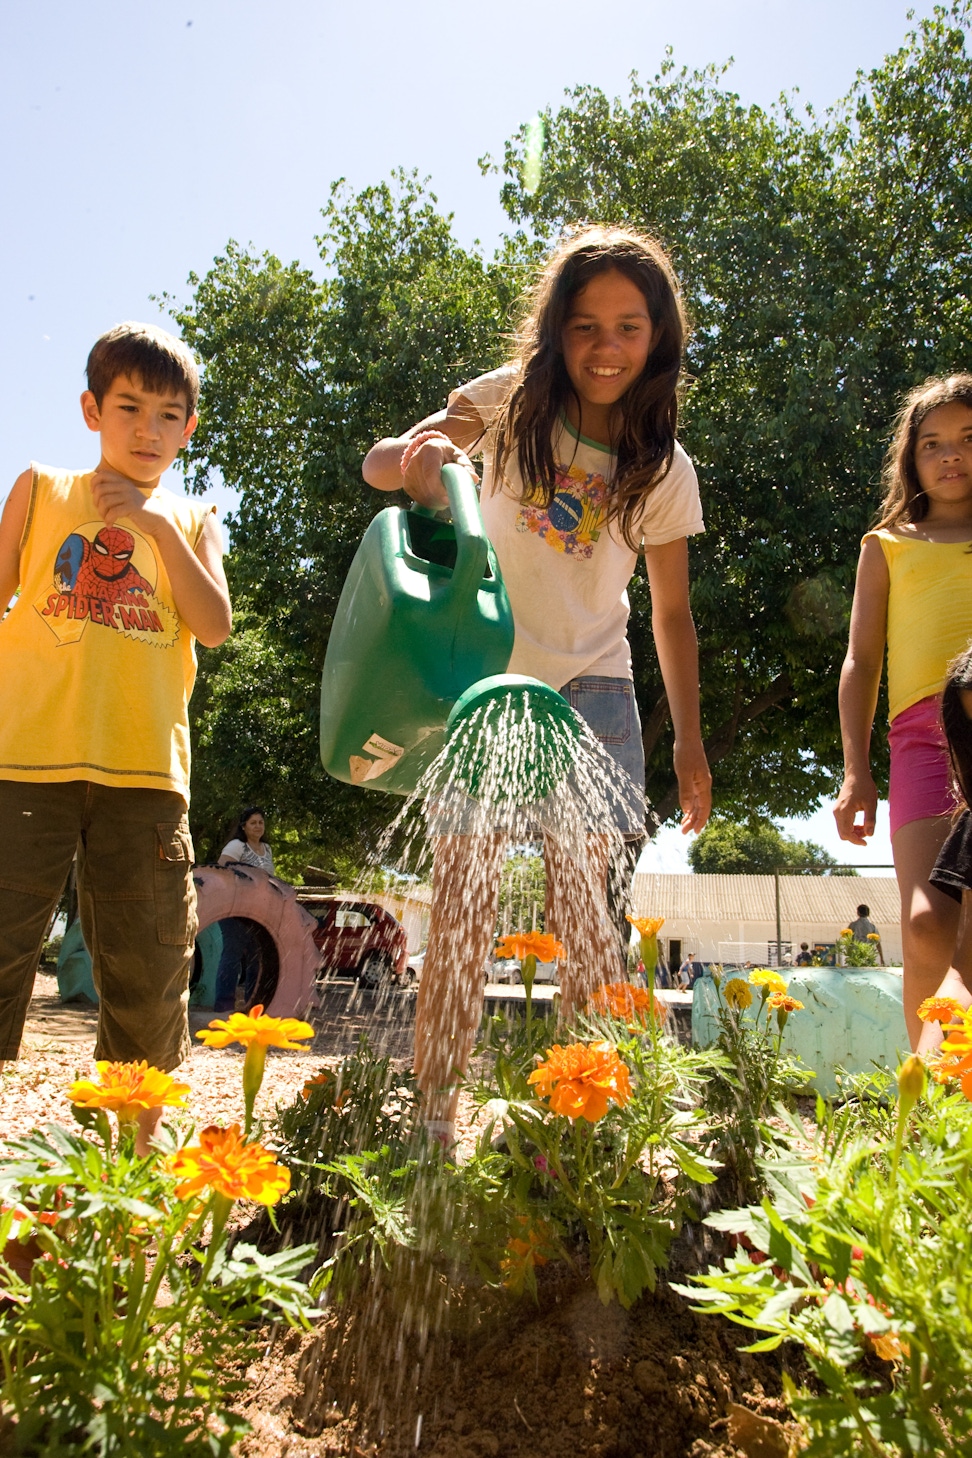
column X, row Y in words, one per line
column 567, row 572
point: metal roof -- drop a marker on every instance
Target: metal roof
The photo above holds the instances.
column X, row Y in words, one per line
column 753, row 898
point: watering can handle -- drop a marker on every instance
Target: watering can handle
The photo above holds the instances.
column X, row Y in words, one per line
column 472, row 545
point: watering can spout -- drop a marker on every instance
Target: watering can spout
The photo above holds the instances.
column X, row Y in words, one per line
column 511, row 740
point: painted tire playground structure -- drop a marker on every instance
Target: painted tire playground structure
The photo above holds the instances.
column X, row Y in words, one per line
column 290, row 960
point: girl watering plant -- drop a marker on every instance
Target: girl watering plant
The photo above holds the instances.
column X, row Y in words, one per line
column 582, row 472
column 914, row 594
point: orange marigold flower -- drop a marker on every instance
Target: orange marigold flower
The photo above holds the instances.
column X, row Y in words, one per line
column 223, row 1162
column 533, row 1248
column 521, row 945
column 888, row 1345
column 647, row 926
column 318, row 1081
column 955, row 1060
column 783, row 1002
column 582, row 1079
column 939, row 1009
column 627, row 1003
column 327, row 1079
column 126, row 1089
column 254, row 1027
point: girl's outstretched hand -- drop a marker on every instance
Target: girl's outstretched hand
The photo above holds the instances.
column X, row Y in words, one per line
column 694, row 785
column 857, row 793
column 422, row 478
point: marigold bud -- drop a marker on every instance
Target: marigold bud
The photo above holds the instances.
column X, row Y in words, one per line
column 911, row 1083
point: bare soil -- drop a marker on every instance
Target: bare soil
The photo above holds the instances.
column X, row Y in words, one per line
column 515, row 1378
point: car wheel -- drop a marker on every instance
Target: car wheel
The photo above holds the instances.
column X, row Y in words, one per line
column 374, row 971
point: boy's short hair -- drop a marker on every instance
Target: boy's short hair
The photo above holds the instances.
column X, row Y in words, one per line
column 160, row 361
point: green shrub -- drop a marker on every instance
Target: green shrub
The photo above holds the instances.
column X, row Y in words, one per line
column 861, row 1253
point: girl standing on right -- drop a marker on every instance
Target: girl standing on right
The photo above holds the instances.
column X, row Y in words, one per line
column 913, row 595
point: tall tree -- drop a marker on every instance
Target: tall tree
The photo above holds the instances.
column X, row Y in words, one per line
column 301, row 375
column 825, row 264
column 757, row 847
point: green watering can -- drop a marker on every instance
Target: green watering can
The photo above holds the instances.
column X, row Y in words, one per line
column 424, row 621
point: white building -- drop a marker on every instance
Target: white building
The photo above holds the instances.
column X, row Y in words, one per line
column 411, row 907
column 734, row 918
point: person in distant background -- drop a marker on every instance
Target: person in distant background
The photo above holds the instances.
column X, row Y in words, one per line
column 248, row 846
column 863, row 928
column 240, row 957
column 689, row 972
column 804, row 957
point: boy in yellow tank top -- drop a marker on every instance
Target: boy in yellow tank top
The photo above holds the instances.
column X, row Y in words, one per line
column 116, row 578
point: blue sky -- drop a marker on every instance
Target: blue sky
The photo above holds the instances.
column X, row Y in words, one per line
column 141, row 136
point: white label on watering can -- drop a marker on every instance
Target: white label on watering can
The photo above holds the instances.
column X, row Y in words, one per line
column 383, row 748
column 369, row 769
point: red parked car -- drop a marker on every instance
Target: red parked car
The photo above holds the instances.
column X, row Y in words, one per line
column 359, row 938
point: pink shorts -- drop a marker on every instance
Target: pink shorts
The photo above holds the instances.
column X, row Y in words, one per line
column 921, row 783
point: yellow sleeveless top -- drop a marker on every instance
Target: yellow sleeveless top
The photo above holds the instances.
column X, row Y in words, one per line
column 96, row 666
column 929, row 613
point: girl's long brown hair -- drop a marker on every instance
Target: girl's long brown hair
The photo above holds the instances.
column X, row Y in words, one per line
column 904, row 500
column 648, row 409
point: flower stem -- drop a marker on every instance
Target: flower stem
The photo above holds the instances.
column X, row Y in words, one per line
column 253, row 1065
column 528, row 971
column 221, row 1206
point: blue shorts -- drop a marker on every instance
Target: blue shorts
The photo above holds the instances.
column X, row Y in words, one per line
column 610, row 710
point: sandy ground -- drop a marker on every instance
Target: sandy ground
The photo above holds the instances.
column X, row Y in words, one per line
column 59, row 1042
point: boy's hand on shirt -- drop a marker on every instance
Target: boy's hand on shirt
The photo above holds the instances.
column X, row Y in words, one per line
column 116, row 496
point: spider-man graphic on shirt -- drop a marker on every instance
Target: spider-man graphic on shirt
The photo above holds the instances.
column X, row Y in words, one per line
column 96, row 580
column 105, row 569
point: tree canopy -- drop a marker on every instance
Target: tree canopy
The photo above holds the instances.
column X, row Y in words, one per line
column 825, row 263
column 757, row 847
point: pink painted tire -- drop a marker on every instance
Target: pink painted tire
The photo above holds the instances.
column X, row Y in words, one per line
column 223, row 891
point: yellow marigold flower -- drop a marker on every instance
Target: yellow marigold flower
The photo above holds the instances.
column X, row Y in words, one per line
column 521, row 945
column 253, row 1027
column 939, row 1010
column 257, row 1033
column 126, row 1089
column 737, row 994
column 627, row 1003
column 223, row 1162
column 847, row 932
column 772, row 981
column 647, row 926
column 783, row 1002
column 582, row 1079
column 874, row 936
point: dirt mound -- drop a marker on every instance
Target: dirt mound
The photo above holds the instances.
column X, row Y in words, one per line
column 567, row 1374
